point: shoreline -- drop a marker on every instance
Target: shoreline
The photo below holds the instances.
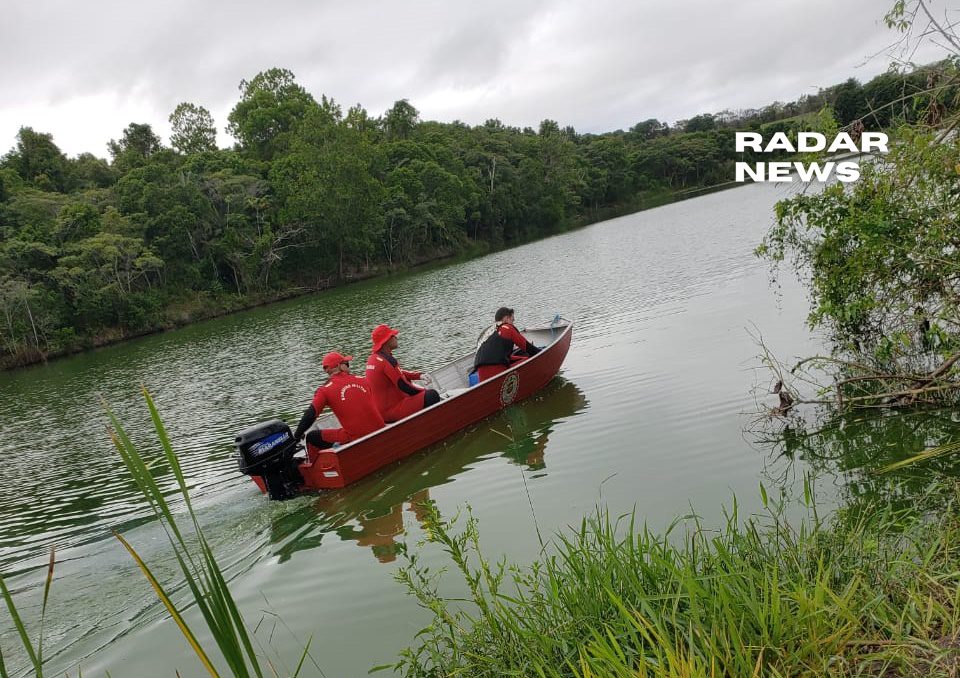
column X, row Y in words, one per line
column 202, row 306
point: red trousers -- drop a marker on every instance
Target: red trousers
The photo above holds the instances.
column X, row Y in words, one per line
column 327, row 435
column 487, row 371
column 405, row 407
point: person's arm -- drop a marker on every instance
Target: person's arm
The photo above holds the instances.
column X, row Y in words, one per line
column 397, row 377
column 310, row 414
column 411, row 375
column 407, row 387
column 510, row 332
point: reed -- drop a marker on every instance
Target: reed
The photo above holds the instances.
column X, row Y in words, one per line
column 197, row 564
column 35, row 654
column 870, row 591
column 198, row 567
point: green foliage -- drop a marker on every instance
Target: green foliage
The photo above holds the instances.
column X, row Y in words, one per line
column 193, row 129
column 401, row 120
column 271, row 106
column 194, row 556
column 700, row 123
column 34, row 654
column 872, row 591
column 38, row 160
column 310, row 196
column 880, row 256
column 134, row 148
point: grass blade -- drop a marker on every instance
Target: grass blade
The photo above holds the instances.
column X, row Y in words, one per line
column 46, row 595
column 21, row 629
column 939, row 451
column 303, row 657
column 174, row 613
column 201, row 572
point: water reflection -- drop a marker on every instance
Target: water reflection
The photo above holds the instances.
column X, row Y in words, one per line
column 372, row 511
column 855, row 447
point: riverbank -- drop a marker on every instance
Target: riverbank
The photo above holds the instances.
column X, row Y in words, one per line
column 206, row 305
column 870, row 591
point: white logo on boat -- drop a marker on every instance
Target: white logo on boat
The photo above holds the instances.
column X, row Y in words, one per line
column 509, row 388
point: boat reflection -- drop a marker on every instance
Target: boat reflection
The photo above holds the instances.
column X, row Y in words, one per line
column 371, row 512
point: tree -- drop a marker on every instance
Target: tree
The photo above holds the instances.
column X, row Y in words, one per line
column 38, row 160
column 108, row 262
column 136, row 145
column 400, row 121
column 700, row 123
column 89, row 171
column 882, row 266
column 27, row 319
column 326, row 189
column 193, row 129
column 271, row 106
column 77, row 221
column 848, row 101
column 649, row 129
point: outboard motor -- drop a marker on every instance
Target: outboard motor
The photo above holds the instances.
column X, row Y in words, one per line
column 267, row 450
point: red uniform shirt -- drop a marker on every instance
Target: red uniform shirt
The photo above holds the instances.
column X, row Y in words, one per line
column 351, row 400
column 508, row 331
column 383, row 377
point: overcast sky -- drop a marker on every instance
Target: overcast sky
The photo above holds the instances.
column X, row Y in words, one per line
column 84, row 70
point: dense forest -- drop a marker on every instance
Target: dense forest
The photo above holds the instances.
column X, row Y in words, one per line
column 95, row 250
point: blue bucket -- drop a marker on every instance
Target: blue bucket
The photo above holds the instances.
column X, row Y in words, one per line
column 473, row 379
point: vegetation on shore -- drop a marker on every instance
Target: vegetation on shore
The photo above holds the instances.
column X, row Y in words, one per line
column 873, row 589
column 881, row 258
column 869, row 591
column 93, row 251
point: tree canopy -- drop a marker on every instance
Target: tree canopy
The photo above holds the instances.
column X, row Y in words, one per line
column 310, row 196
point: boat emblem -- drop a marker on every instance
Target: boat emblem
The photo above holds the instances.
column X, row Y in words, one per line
column 509, row 388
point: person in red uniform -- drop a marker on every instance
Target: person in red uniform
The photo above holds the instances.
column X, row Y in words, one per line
column 502, row 349
column 393, row 390
column 349, row 397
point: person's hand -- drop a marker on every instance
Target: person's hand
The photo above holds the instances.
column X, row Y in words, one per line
column 426, row 379
column 298, row 436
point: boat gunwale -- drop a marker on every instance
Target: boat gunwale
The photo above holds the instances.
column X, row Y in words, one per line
column 566, row 329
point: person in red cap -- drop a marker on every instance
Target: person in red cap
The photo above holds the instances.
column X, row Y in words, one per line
column 349, row 397
column 393, row 390
column 496, row 354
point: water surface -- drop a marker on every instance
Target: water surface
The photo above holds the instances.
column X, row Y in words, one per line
column 648, row 414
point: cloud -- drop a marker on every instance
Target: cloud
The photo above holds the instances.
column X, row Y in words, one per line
column 83, row 71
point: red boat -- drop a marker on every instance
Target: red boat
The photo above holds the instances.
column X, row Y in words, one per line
column 460, row 406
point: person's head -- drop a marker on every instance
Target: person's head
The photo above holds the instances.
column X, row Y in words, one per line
column 504, row 315
column 384, row 338
column 335, row 362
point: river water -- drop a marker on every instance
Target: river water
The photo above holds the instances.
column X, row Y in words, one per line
column 647, row 415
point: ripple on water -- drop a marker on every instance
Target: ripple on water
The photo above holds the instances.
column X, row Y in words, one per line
column 651, row 394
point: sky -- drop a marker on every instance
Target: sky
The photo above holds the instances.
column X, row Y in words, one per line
column 84, row 70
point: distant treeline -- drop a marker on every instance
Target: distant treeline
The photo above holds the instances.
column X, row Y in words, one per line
column 93, row 250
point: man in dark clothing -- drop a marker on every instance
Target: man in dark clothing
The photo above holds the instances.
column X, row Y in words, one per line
column 351, row 400
column 393, row 391
column 497, row 353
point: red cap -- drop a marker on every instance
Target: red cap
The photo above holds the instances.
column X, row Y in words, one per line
column 380, row 335
column 333, row 359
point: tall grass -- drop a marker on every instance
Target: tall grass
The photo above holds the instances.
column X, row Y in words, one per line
column 35, row 654
column 198, row 566
column 866, row 592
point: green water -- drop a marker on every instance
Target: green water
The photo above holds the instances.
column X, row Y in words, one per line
column 648, row 414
